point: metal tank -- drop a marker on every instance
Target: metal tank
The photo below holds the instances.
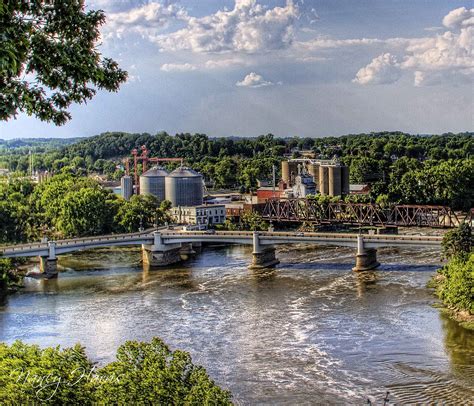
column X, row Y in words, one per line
column 285, row 172
column 293, row 168
column 184, row 187
column 323, row 180
column 335, row 181
column 152, row 182
column 127, row 187
column 345, row 180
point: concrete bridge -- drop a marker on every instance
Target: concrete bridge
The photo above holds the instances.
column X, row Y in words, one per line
column 164, row 247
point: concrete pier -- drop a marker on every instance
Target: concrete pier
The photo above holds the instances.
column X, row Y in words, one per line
column 263, row 256
column 159, row 254
column 49, row 264
column 366, row 258
column 186, row 251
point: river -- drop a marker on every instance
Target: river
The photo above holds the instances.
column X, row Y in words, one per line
column 311, row 331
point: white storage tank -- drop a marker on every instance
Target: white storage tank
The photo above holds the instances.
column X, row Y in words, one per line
column 184, row 187
column 152, row 182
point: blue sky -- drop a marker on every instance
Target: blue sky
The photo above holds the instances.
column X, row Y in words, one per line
column 304, row 67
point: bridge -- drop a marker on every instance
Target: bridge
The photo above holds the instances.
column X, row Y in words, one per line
column 162, row 247
column 311, row 211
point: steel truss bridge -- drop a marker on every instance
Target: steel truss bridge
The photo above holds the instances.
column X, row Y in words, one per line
column 311, row 211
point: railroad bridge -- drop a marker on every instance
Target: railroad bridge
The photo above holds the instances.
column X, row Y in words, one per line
column 310, row 210
column 163, row 247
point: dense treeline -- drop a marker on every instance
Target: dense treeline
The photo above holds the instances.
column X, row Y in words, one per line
column 71, row 206
column 143, row 373
column 437, row 169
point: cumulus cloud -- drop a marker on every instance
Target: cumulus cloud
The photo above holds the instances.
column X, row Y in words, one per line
column 177, row 67
column 383, row 69
column 253, row 80
column 250, row 27
column 146, row 20
column 433, row 59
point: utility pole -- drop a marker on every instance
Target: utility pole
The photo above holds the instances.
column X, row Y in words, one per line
column 273, row 171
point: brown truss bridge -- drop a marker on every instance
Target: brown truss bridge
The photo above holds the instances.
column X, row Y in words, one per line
column 309, row 210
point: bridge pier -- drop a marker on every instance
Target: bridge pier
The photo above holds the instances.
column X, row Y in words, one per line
column 159, row 254
column 262, row 256
column 366, row 258
column 186, row 251
column 49, row 264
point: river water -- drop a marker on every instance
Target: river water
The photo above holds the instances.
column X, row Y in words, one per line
column 309, row 332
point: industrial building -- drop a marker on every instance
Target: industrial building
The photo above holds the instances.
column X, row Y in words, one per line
column 182, row 187
column 152, row 182
column 199, row 215
column 330, row 177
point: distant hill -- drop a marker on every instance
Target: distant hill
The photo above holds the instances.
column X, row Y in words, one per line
column 37, row 143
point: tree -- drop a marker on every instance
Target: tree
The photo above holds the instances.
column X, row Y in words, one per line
column 56, row 41
column 458, row 242
column 141, row 211
column 150, row 373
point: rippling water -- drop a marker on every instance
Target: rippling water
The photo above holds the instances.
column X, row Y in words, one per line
column 310, row 331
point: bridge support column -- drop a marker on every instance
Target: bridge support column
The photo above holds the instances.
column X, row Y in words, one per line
column 49, row 264
column 262, row 256
column 159, row 254
column 366, row 258
column 186, row 251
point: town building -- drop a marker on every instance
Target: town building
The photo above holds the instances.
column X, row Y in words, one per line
column 202, row 214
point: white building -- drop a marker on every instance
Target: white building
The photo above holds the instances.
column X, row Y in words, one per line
column 204, row 214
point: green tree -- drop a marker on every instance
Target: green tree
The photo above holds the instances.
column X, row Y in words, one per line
column 56, row 41
column 141, row 211
column 458, row 242
column 150, row 373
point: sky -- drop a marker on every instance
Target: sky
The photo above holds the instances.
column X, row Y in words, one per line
column 308, row 68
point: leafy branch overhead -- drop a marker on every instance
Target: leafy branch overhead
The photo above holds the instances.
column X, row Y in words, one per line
column 49, row 58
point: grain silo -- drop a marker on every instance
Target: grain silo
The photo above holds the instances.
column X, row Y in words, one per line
column 184, row 187
column 285, row 172
column 323, row 180
column 293, row 169
column 335, row 180
column 313, row 170
column 345, row 180
column 127, row 187
column 152, row 182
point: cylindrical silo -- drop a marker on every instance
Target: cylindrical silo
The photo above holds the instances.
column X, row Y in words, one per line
column 285, row 172
column 184, row 187
column 335, row 180
column 313, row 170
column 152, row 182
column 127, row 187
column 293, row 169
column 323, row 180
column 345, row 180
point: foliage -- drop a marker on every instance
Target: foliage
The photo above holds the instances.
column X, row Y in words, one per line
column 144, row 373
column 142, row 211
column 56, row 42
column 253, row 221
column 30, row 375
column 456, row 287
column 150, row 373
column 458, row 242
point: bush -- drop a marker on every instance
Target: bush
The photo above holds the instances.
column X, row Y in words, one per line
column 456, row 288
column 144, row 373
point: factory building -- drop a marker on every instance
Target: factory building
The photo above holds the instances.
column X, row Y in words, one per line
column 152, row 182
column 329, row 176
column 199, row 215
column 126, row 186
column 304, row 185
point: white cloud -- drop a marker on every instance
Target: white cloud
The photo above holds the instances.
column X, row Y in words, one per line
column 249, row 27
column 253, row 80
column 225, row 63
column 177, row 67
column 460, row 17
column 383, row 69
column 146, row 20
column 432, row 60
